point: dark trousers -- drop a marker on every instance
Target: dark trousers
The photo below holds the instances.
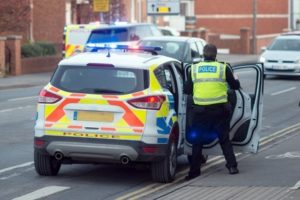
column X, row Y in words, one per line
column 207, row 123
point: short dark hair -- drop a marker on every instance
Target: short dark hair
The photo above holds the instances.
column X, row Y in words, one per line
column 210, row 52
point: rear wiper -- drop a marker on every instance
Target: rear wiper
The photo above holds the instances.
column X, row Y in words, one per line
column 100, row 91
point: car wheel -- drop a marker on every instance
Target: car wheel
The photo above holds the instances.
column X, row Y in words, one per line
column 203, row 158
column 265, row 76
column 164, row 171
column 46, row 165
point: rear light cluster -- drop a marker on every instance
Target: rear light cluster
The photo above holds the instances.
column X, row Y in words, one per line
column 48, row 97
column 149, row 102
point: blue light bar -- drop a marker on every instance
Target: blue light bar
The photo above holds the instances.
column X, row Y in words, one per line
column 102, row 46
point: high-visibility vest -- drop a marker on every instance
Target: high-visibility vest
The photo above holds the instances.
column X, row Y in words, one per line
column 209, row 83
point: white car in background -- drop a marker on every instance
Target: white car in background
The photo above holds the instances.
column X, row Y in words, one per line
column 282, row 57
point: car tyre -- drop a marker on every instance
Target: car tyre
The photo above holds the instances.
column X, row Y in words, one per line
column 46, row 165
column 164, row 171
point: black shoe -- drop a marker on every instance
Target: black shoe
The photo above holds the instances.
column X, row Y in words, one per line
column 189, row 177
column 233, row 170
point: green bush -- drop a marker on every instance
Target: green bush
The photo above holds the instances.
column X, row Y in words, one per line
column 37, row 49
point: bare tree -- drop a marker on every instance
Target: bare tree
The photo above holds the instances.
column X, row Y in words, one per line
column 14, row 15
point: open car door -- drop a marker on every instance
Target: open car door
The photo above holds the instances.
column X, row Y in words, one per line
column 246, row 119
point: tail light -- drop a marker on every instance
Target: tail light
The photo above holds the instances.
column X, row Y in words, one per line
column 149, row 102
column 48, row 97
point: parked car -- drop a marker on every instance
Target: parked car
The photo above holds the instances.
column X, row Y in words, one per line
column 282, row 56
column 127, row 107
column 125, row 34
column 185, row 49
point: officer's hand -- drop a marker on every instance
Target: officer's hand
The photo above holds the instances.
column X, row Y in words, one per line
column 236, row 77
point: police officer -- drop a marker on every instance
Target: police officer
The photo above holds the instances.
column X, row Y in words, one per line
column 210, row 110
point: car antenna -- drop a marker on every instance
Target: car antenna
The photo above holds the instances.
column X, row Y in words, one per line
column 108, row 53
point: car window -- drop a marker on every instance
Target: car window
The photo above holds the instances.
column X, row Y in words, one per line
column 109, row 35
column 160, row 75
column 194, row 50
column 100, row 80
column 140, row 32
column 165, row 78
column 285, row 45
column 169, row 48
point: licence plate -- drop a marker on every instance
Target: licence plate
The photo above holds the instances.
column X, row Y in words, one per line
column 93, row 116
column 282, row 67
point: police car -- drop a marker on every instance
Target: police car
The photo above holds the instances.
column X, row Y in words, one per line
column 122, row 107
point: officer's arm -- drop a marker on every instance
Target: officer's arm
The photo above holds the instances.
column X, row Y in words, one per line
column 232, row 82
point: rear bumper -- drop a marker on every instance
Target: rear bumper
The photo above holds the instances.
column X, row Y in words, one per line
column 86, row 150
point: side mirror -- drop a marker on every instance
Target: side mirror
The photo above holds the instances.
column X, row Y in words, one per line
column 263, row 49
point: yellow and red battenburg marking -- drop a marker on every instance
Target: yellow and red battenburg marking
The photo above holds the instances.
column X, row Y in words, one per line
column 58, row 113
column 75, row 126
column 130, row 118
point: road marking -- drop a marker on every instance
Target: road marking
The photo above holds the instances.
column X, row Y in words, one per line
column 15, row 167
column 22, row 98
column 296, row 186
column 295, row 154
column 16, row 174
column 43, row 192
column 283, row 91
column 17, row 108
column 217, row 160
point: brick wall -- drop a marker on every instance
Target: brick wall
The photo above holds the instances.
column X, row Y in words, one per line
column 230, row 15
column 48, row 20
column 39, row 64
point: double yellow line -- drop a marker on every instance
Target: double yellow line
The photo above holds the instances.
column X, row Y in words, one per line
column 151, row 188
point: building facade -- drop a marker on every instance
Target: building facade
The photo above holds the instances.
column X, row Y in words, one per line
column 230, row 15
column 34, row 20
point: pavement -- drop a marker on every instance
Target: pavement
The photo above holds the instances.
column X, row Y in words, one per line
column 37, row 79
column 22, row 81
column 271, row 174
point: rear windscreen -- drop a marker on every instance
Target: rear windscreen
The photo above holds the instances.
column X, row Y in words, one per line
column 109, row 35
column 100, row 80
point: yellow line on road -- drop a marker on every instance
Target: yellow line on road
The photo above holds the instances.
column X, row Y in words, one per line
column 211, row 162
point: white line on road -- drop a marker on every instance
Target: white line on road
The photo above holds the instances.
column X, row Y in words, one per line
column 15, row 167
column 43, row 192
column 296, row 186
column 22, row 98
column 17, row 108
column 283, row 91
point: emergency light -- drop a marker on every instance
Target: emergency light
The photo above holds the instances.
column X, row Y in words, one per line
column 95, row 47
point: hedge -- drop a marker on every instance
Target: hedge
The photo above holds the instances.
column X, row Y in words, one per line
column 37, row 49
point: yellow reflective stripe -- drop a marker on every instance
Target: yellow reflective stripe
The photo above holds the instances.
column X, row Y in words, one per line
column 222, row 67
column 194, row 73
column 93, row 135
column 209, row 80
column 224, row 97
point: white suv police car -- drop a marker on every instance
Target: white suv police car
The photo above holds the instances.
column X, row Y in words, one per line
column 121, row 107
